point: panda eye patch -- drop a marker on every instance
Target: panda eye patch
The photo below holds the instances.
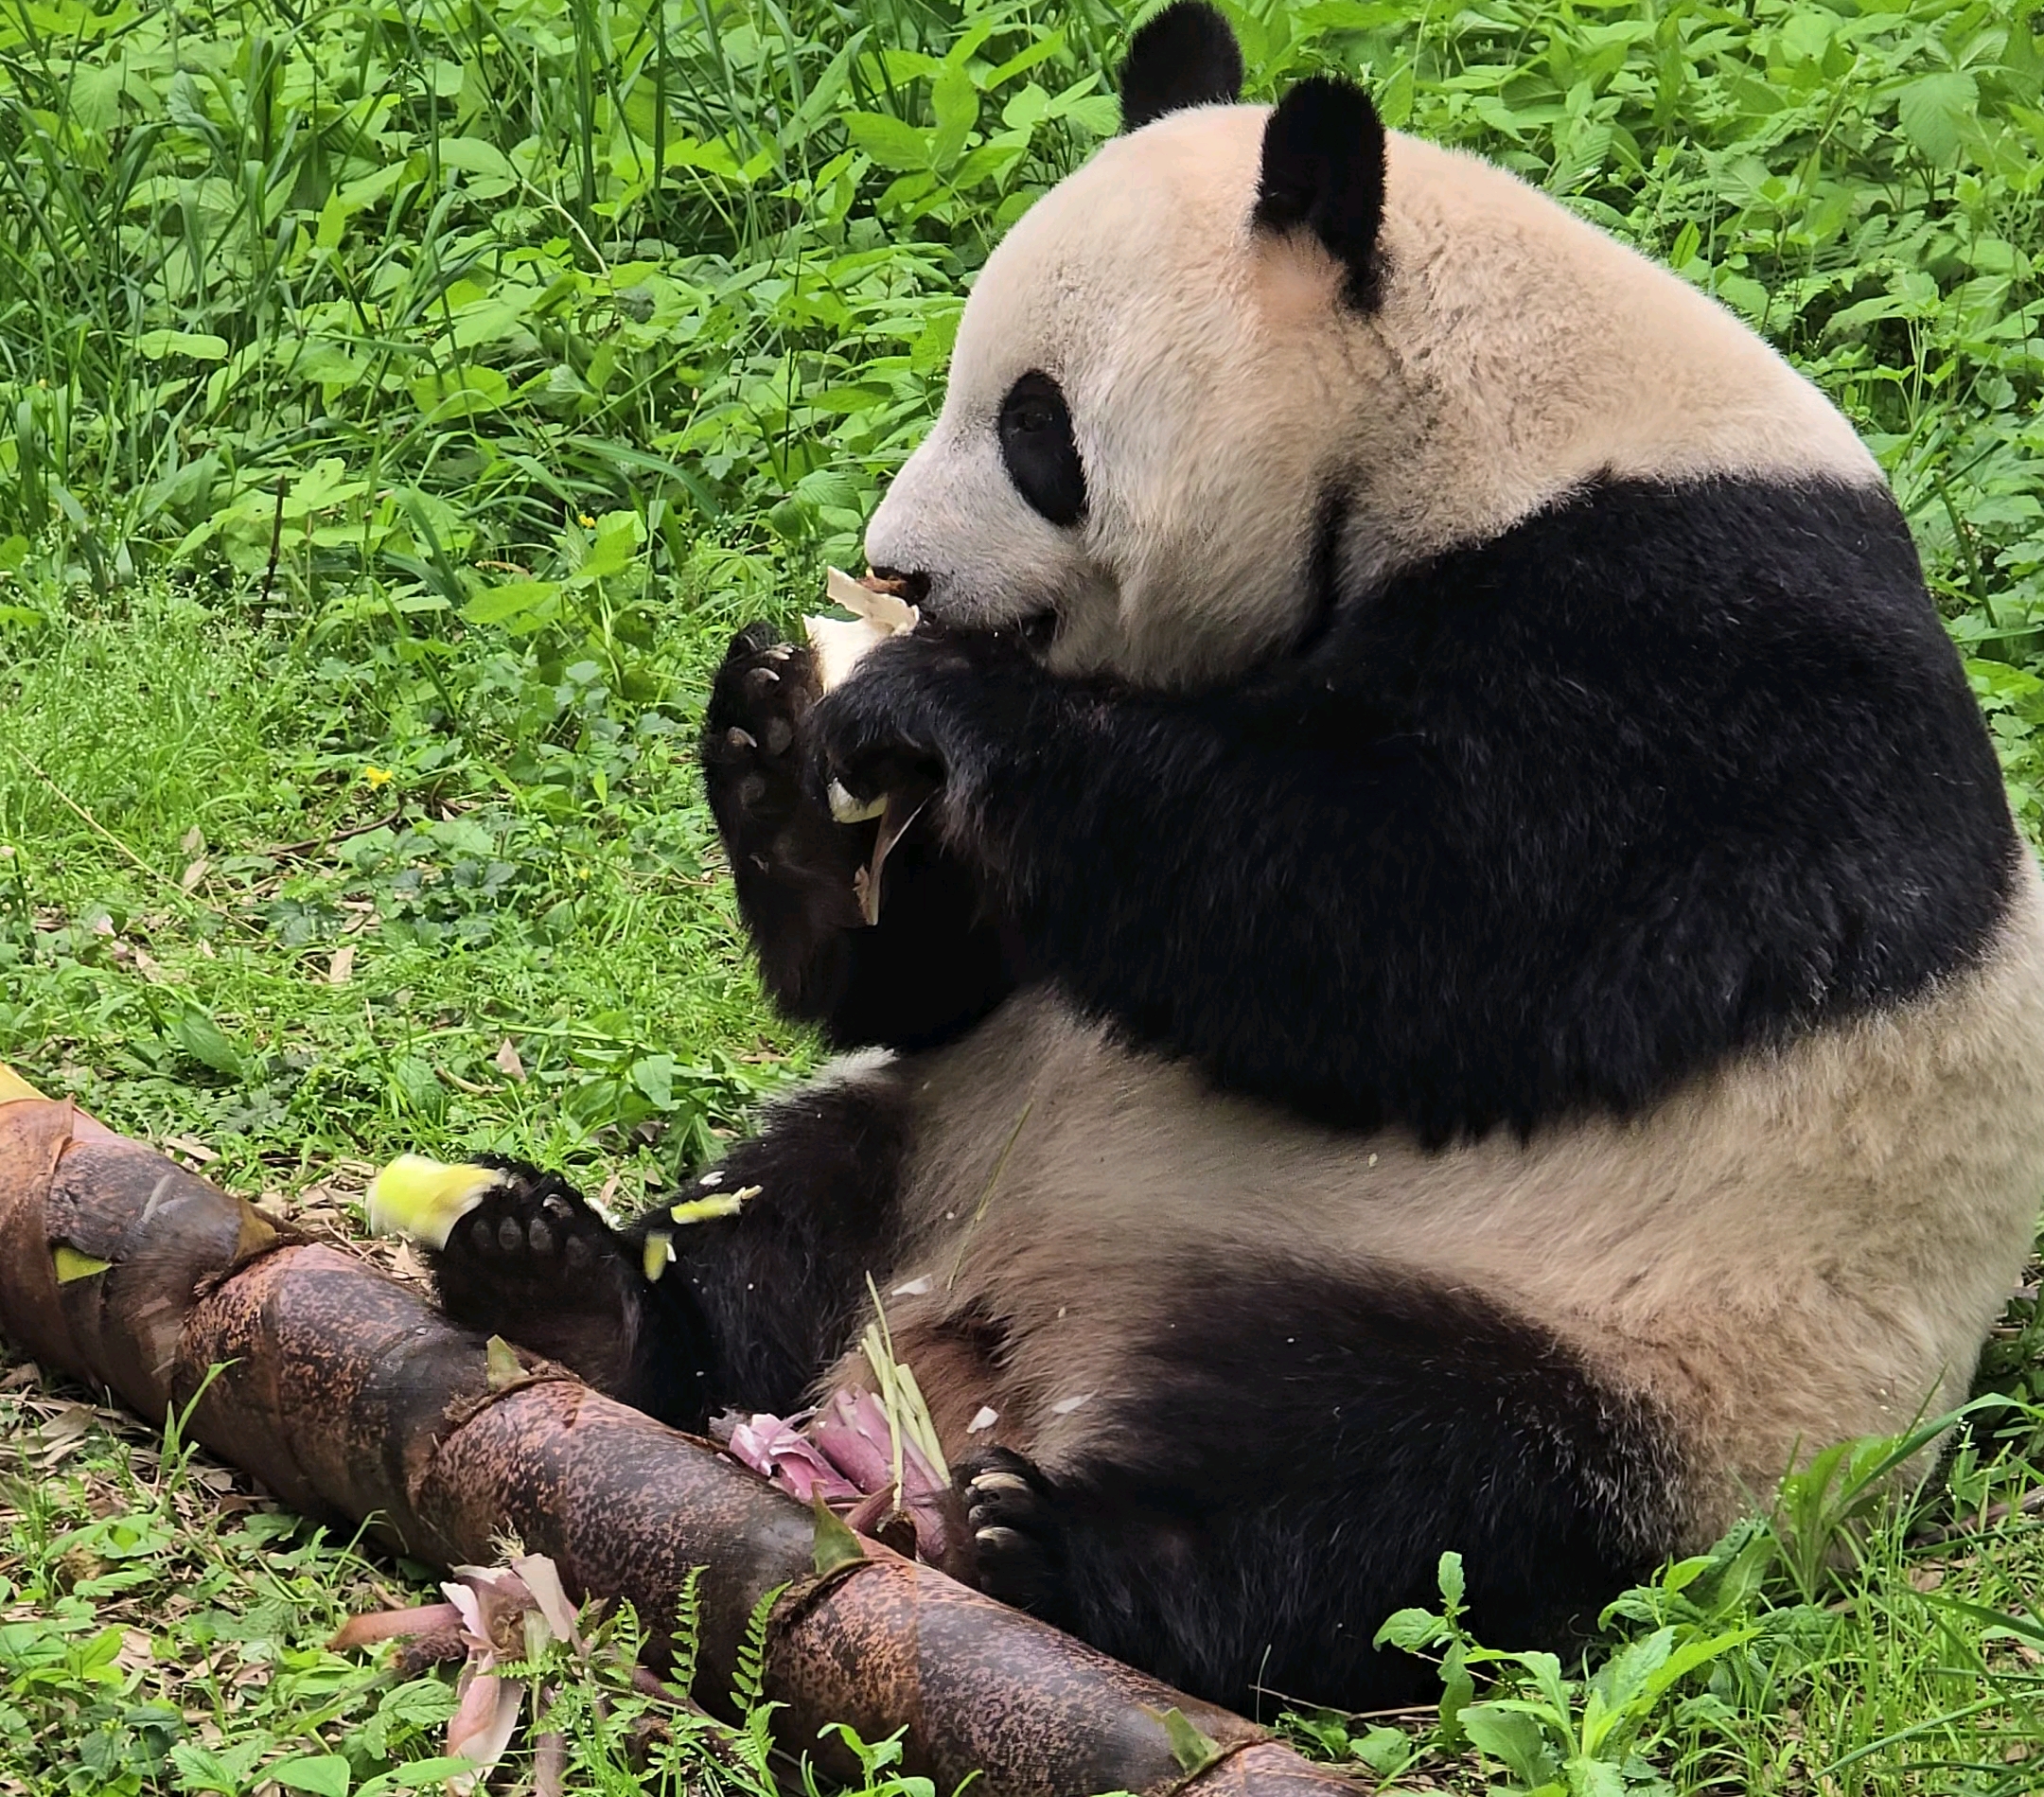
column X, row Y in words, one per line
column 1038, row 447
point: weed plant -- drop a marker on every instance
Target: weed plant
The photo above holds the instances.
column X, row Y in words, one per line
column 400, row 404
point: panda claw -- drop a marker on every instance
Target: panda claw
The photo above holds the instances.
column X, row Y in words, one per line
column 1016, row 1530
column 995, row 1481
column 739, row 738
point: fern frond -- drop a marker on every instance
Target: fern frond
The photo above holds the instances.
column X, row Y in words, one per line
column 687, row 1631
column 749, row 1677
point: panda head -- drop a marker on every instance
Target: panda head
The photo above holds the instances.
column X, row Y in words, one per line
column 1247, row 357
column 1122, row 362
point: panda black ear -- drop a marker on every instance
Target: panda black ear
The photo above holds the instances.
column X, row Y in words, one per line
column 1324, row 169
column 1185, row 56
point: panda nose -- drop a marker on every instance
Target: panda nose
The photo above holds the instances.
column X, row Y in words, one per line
column 914, row 587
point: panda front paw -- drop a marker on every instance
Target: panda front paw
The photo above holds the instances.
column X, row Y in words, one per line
column 1013, row 1517
column 928, row 713
column 534, row 1263
column 752, row 736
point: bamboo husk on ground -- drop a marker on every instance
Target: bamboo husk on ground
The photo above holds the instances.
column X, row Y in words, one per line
column 351, row 1398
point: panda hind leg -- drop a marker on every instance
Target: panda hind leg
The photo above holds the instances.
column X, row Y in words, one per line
column 1288, row 1464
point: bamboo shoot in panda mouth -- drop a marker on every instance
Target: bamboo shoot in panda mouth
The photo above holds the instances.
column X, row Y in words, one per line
column 878, row 612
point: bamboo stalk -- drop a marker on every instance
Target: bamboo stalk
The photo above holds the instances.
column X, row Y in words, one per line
column 351, row 1398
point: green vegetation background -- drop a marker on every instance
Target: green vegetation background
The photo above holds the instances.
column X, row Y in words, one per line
column 399, row 405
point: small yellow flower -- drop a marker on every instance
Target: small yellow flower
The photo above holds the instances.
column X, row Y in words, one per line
column 584, row 520
column 377, row 776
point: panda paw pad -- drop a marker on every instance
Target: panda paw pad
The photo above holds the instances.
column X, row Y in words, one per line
column 1012, row 1514
column 535, row 1263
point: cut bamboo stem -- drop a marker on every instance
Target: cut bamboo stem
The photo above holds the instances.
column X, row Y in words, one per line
column 352, row 1399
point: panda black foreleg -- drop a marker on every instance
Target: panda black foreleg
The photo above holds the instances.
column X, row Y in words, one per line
column 1293, row 1458
column 934, row 962
column 751, row 1306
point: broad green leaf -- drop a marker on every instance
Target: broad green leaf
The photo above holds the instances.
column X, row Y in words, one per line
column 653, row 1074
column 496, row 605
column 1098, row 113
column 1386, row 1751
column 94, row 97
column 322, row 1774
column 1691, row 1654
column 333, row 218
column 207, row 1043
column 1395, row 97
column 1594, row 1778
column 477, row 155
column 1458, row 1691
column 200, row 345
column 461, row 391
column 1936, row 111
column 932, row 348
column 1410, row 1630
column 1513, row 1737
column 422, row 1774
column 1624, row 1675
column 889, row 142
column 1744, row 294
column 1448, row 1575
column 614, row 548
column 1026, row 109
column 956, row 102
column 990, row 160
column 225, row 1769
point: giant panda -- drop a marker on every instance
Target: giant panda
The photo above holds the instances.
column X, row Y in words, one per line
column 1468, row 981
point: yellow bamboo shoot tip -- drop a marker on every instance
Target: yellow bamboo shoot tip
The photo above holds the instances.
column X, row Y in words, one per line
column 425, row 1199
column 658, row 1253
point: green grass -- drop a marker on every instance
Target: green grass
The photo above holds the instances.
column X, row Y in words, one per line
column 398, row 408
